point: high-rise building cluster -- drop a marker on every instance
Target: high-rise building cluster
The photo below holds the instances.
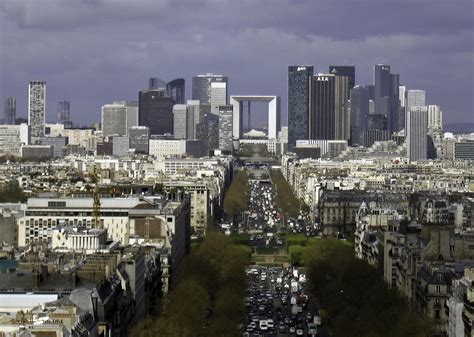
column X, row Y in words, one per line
column 331, row 106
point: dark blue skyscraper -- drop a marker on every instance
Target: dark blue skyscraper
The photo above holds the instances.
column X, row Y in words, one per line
column 359, row 111
column 155, row 111
column 298, row 103
column 386, row 95
column 176, row 90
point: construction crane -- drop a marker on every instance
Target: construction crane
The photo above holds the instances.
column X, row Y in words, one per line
column 94, row 176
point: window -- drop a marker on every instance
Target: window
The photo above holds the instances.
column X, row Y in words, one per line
column 438, row 289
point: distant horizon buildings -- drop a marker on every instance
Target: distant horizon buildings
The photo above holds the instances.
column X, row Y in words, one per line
column 10, row 110
column 36, row 109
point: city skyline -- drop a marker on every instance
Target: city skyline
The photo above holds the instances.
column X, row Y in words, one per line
column 427, row 58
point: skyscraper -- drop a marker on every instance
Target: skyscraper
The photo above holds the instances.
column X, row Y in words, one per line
column 381, row 81
column 342, row 109
column 298, row 103
column 208, row 131
column 435, row 118
column 10, row 110
column 402, row 96
column 176, row 90
column 417, row 132
column 226, row 128
column 155, row 111
column 36, row 109
column 185, row 119
column 119, row 117
column 218, row 96
column 359, row 109
column 64, row 113
column 416, row 98
column 114, row 119
column 131, row 108
column 195, row 113
column 348, row 71
column 329, row 115
column 180, row 121
column 386, row 94
column 202, row 86
column 393, row 117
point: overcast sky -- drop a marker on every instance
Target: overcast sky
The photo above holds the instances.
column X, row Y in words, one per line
column 93, row 52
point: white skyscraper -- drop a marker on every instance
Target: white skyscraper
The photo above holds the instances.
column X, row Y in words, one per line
column 194, row 117
column 416, row 98
column 180, row 121
column 218, row 96
column 417, row 130
column 435, row 117
column 131, row 109
column 114, row 119
column 36, row 109
column 186, row 117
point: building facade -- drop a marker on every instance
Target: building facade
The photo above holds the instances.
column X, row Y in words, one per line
column 155, row 111
column 435, row 118
column 114, row 119
column 328, row 118
column 417, row 132
column 218, row 96
column 359, row 109
column 160, row 148
column 139, row 137
column 36, row 109
column 298, row 103
column 176, row 90
column 202, row 86
column 348, row 71
column 226, row 128
column 12, row 137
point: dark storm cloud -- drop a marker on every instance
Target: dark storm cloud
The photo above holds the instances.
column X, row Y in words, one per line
column 96, row 51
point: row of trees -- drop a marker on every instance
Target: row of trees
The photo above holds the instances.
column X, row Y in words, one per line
column 357, row 300
column 209, row 296
column 286, row 199
column 12, row 192
column 236, row 197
